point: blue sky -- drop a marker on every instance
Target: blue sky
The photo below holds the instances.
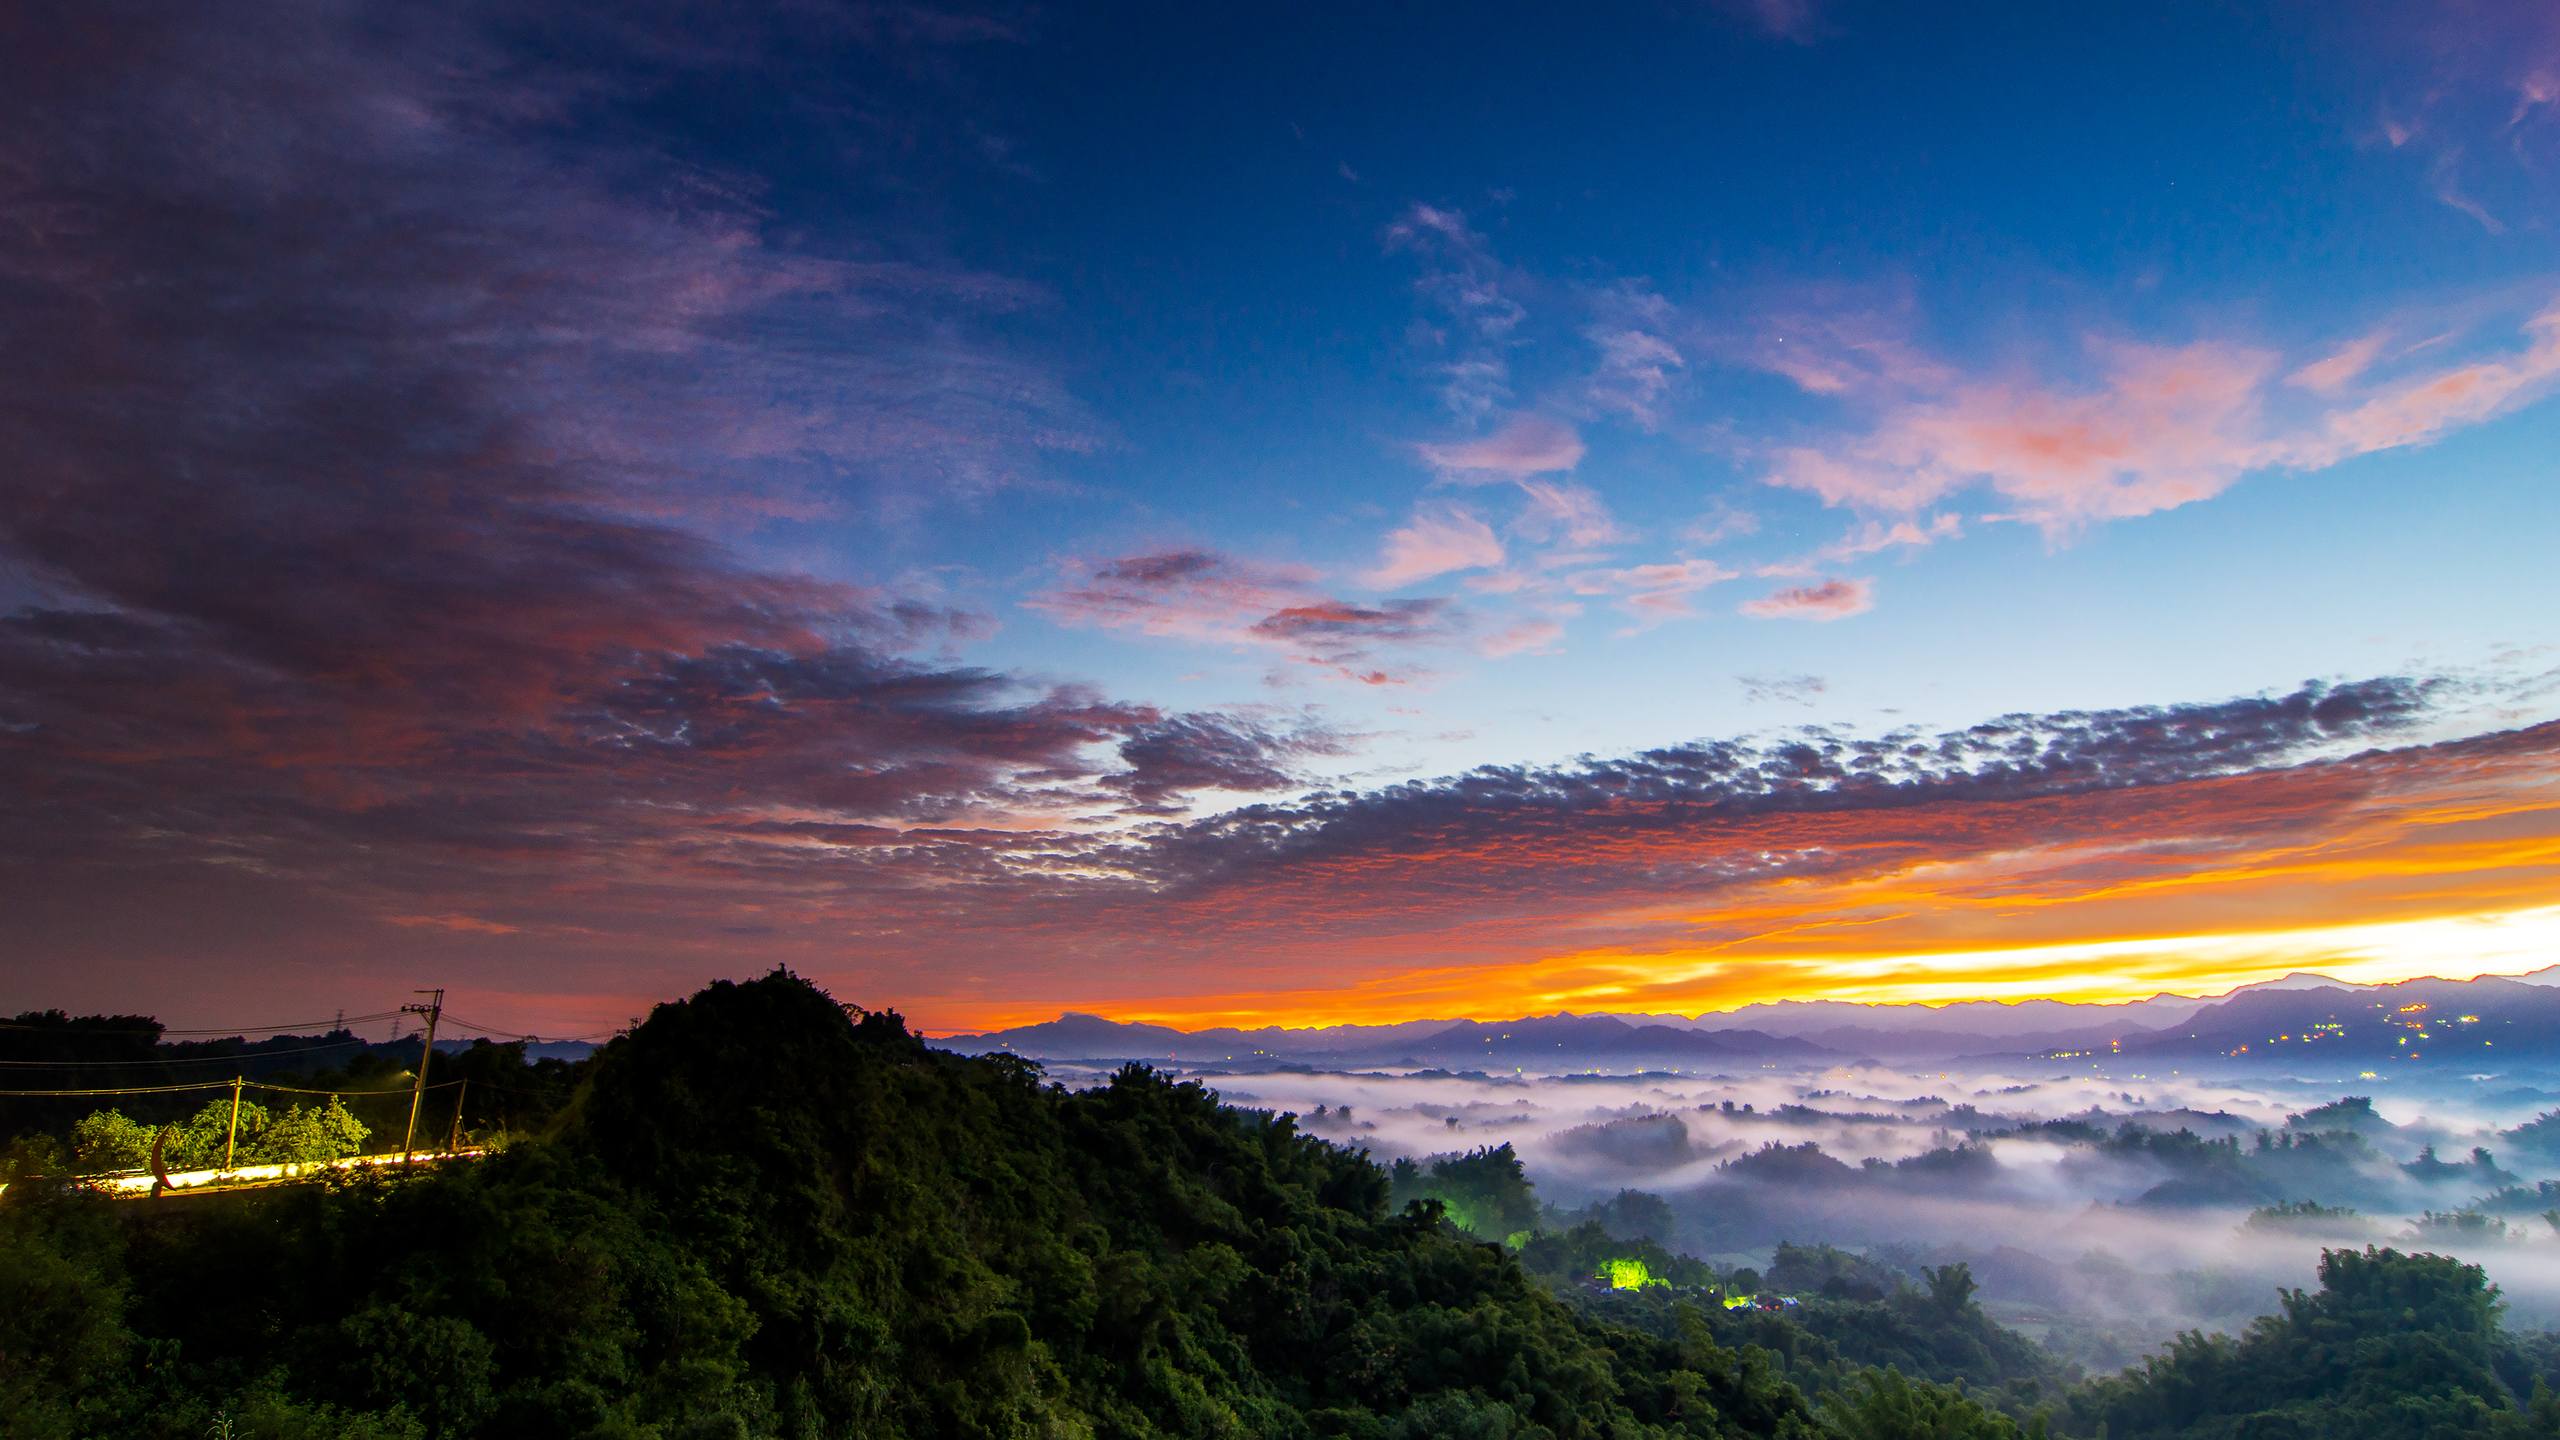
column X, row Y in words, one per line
column 1211, row 205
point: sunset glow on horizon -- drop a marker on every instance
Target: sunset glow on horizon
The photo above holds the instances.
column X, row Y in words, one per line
column 2098, row 972
column 2413, row 878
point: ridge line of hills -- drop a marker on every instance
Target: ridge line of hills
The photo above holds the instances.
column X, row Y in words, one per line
column 2297, row 1016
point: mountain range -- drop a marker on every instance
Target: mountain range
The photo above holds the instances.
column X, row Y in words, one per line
column 2297, row 1020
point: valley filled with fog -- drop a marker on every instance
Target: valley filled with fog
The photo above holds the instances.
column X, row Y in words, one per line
column 2101, row 1209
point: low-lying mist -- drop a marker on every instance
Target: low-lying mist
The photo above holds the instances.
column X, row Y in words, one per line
column 2100, row 1214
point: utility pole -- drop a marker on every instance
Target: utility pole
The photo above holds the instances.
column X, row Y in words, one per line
column 232, row 1142
column 433, row 1010
column 453, row 1142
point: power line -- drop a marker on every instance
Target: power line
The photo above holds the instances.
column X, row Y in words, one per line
column 307, row 1026
column 498, row 1034
column 333, row 1024
column 123, row 1090
column 299, row 1090
column 187, row 1059
column 214, row 1085
column 74, row 1028
column 342, row 1021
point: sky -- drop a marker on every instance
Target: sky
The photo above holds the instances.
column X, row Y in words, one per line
column 1261, row 514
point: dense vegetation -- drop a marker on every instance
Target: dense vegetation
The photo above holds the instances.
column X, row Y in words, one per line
column 2390, row 1345
column 309, row 1097
column 762, row 1215
column 110, row 1140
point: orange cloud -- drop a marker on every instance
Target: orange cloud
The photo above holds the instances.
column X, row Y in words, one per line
column 2441, row 859
column 461, row 924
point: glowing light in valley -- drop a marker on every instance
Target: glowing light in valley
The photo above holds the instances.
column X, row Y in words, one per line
column 1628, row 1273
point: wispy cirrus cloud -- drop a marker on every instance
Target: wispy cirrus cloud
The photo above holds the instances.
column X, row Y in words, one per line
column 1470, row 292
column 1870, row 536
column 1564, row 513
column 2472, row 93
column 1632, row 330
column 1656, row 592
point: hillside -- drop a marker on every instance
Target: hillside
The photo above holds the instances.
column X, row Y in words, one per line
column 762, row 1217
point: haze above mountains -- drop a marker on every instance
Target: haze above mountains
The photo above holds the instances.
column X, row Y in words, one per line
column 2297, row 1020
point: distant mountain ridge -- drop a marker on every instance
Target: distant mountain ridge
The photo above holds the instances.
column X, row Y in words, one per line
column 2372, row 1024
column 2260, row 1021
column 1542, row 1042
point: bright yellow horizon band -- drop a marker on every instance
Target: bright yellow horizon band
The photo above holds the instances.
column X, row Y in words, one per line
column 2116, row 972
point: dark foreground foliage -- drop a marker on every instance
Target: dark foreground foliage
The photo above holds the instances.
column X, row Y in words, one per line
column 761, row 1216
column 2390, row 1345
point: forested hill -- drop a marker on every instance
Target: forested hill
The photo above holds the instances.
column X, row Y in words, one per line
column 764, row 1216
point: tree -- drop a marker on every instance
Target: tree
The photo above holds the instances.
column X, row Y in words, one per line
column 1484, row 1191
column 1636, row 1215
column 2390, row 1345
column 106, row 1140
column 301, row 1136
column 1886, row 1406
column 1951, row 1287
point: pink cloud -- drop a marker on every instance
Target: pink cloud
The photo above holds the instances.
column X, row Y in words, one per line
column 2332, row 372
column 1869, row 538
column 1525, row 445
column 2161, row 427
column 1830, row 600
column 1830, row 348
column 1187, row 594
column 1214, row 598
column 1436, row 542
column 2417, row 409
column 1341, row 637
column 1656, row 592
column 1525, row 637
